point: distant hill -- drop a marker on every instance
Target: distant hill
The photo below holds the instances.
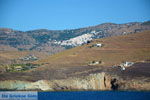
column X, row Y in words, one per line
column 93, row 59
column 114, row 50
column 73, row 70
column 53, row 41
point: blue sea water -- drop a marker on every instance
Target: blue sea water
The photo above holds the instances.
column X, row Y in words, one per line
column 95, row 95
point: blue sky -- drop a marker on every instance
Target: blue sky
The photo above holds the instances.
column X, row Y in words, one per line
column 69, row 14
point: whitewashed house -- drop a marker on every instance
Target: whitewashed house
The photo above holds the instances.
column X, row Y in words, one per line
column 98, row 45
column 94, row 62
column 127, row 64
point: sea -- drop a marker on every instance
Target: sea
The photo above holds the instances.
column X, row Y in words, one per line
column 95, row 95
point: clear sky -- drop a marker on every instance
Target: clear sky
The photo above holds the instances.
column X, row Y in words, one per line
column 67, row 14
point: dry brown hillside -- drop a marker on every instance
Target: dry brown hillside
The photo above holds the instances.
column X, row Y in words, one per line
column 10, row 57
column 116, row 49
column 75, row 62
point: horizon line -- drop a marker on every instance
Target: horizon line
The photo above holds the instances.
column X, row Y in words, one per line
column 72, row 28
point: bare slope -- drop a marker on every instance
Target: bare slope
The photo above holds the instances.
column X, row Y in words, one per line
column 75, row 62
column 15, row 57
column 133, row 47
column 54, row 41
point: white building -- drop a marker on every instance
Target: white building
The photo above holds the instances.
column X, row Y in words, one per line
column 98, row 45
column 127, row 64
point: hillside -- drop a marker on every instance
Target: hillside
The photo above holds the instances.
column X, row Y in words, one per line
column 12, row 57
column 116, row 49
column 76, row 68
column 53, row 41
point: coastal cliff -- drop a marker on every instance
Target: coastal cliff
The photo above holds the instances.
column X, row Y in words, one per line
column 99, row 81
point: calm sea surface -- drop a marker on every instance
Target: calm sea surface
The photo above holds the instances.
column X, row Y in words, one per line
column 95, row 95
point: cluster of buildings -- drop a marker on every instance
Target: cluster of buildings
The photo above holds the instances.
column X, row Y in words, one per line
column 29, row 58
column 125, row 65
